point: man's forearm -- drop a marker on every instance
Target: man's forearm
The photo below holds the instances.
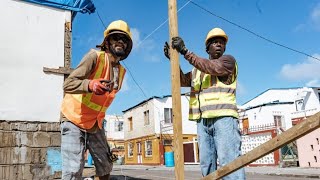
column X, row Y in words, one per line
column 217, row 67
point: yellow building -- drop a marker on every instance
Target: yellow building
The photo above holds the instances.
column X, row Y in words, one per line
column 148, row 132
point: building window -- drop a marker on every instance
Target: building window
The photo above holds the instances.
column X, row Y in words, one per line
column 168, row 115
column 317, row 139
column 104, row 123
column 130, row 150
column 118, row 126
column 120, row 147
column 277, row 121
column 167, row 142
column 130, row 128
column 311, row 147
column 245, row 125
column 148, row 148
column 299, row 105
column 146, row 117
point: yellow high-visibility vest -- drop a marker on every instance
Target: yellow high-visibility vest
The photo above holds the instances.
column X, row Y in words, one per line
column 210, row 98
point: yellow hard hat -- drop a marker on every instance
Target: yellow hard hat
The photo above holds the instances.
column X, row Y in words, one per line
column 121, row 27
column 216, row 32
column 118, row 25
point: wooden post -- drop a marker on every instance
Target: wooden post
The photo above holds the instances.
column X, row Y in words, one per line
column 299, row 130
column 176, row 95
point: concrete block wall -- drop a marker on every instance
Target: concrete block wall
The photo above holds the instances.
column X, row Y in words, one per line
column 251, row 141
column 25, row 150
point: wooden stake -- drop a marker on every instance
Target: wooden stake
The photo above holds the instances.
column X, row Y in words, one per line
column 301, row 129
column 176, row 95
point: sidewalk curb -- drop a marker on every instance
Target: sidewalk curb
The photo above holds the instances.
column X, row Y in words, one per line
column 288, row 175
column 297, row 173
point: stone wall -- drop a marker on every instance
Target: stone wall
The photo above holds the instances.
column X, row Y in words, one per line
column 30, row 150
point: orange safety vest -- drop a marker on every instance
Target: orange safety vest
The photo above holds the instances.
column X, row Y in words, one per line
column 85, row 109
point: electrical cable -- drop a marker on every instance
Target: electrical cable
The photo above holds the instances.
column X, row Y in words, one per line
column 251, row 32
column 161, row 24
column 101, row 19
column 140, row 44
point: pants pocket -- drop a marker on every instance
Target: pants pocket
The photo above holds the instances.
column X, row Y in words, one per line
column 71, row 139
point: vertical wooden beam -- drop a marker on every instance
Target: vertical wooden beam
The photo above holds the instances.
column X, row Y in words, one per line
column 176, row 94
column 67, row 51
column 67, row 46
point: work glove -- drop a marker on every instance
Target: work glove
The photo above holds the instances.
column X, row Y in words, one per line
column 178, row 44
column 99, row 86
column 166, row 50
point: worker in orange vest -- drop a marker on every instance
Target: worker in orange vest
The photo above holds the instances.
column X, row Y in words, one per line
column 90, row 90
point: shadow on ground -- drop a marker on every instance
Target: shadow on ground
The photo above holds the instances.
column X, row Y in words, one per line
column 121, row 177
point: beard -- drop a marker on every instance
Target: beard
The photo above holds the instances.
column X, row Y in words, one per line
column 117, row 51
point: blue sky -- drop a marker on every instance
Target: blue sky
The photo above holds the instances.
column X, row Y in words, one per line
column 262, row 65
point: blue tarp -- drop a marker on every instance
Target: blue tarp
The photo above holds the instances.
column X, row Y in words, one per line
column 83, row 6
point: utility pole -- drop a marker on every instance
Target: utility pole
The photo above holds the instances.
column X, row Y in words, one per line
column 176, row 94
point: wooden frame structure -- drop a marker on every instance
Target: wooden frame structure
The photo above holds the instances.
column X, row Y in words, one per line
column 310, row 124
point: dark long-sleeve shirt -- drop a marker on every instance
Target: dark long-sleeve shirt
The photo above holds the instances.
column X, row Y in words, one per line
column 223, row 67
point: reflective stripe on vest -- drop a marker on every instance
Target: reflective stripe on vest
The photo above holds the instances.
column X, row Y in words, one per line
column 210, row 98
column 85, row 109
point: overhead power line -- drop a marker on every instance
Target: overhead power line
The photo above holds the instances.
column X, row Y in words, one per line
column 213, row 14
column 251, row 32
column 101, row 19
column 161, row 24
column 134, row 80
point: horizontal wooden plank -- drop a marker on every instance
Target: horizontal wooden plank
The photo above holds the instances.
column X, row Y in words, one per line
column 310, row 124
column 60, row 70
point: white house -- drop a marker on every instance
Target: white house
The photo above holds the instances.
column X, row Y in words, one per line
column 32, row 37
column 148, row 131
column 115, row 133
column 35, row 40
column 274, row 111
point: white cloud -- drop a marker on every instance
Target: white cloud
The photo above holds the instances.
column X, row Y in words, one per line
column 315, row 16
column 125, row 85
column 307, row 70
column 313, row 21
column 313, row 83
column 145, row 47
column 241, row 90
column 135, row 37
column 88, row 40
column 300, row 27
column 153, row 58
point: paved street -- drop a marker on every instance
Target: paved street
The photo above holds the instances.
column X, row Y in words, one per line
column 135, row 174
column 191, row 172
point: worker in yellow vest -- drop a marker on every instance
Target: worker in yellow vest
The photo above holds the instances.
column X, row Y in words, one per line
column 90, row 90
column 212, row 102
